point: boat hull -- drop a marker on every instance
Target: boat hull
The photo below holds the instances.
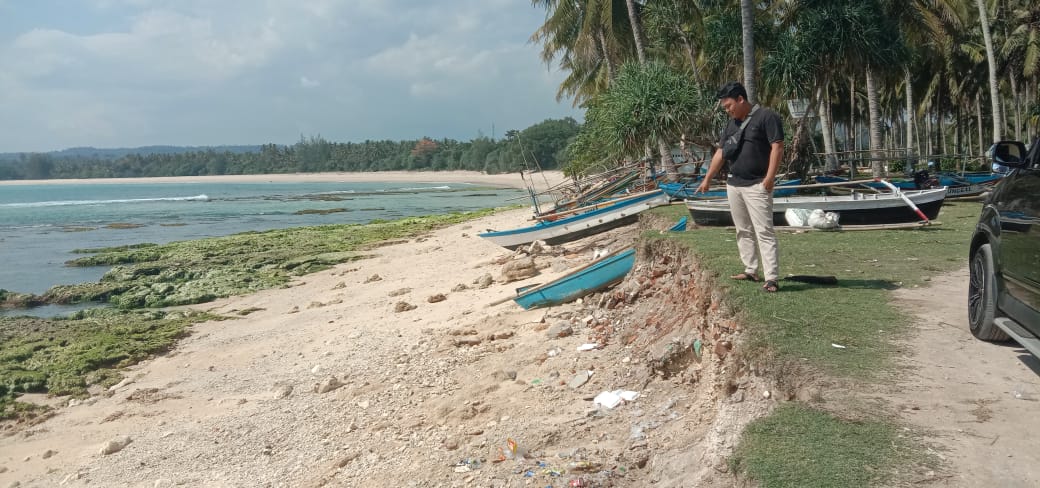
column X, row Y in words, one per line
column 581, row 225
column 855, row 209
column 595, row 276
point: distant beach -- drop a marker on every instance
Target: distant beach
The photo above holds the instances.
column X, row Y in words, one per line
column 42, row 221
column 510, row 180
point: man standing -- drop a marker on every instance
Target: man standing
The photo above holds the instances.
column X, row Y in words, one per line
column 753, row 144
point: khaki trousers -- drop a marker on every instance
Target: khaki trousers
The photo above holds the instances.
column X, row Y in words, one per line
column 752, row 210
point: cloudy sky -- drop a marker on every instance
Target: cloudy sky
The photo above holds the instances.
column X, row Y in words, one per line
column 126, row 73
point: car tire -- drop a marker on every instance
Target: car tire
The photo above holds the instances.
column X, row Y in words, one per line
column 982, row 296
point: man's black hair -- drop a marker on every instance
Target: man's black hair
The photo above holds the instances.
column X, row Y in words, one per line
column 732, row 89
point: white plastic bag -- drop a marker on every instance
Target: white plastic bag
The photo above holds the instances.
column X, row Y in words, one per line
column 797, row 217
column 819, row 219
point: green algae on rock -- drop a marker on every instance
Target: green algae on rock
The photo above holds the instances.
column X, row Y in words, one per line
column 66, row 355
column 198, row 271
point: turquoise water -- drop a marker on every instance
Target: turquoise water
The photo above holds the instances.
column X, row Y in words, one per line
column 41, row 224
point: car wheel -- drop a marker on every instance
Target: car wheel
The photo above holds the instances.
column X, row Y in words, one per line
column 982, row 297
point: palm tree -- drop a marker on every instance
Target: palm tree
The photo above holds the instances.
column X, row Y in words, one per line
column 637, row 30
column 747, row 21
column 994, row 88
column 1021, row 54
column 828, row 37
column 673, row 24
column 646, row 102
column 927, row 26
column 589, row 38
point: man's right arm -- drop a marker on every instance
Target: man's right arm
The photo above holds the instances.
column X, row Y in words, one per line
column 713, row 169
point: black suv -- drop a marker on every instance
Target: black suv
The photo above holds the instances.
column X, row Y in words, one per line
column 1004, row 289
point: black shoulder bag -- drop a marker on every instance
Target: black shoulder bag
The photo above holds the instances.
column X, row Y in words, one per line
column 732, row 145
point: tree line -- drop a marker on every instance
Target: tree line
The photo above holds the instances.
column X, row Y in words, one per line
column 539, row 146
column 910, row 77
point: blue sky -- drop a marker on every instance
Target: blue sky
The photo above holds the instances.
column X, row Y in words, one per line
column 126, row 73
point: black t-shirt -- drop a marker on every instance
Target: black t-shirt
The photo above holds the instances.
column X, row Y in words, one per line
column 752, row 163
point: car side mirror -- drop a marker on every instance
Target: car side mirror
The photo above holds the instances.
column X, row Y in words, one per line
column 1011, row 154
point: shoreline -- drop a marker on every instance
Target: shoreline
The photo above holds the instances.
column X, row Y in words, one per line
column 541, row 180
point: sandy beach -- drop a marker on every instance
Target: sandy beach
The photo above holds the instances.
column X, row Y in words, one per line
column 539, row 181
column 409, row 368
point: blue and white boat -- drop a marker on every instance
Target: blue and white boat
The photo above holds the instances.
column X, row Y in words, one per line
column 681, row 191
column 614, row 213
column 595, row 276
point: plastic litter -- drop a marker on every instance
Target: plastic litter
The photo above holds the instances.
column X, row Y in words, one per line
column 582, row 467
column 511, row 450
column 819, row 219
column 588, row 347
column 797, row 217
column 838, row 346
column 607, row 399
column 697, row 345
column 611, row 399
column 815, row 218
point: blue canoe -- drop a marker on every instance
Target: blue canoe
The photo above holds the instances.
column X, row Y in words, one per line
column 679, row 226
column 686, row 190
column 594, row 276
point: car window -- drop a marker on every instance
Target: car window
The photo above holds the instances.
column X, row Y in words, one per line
column 1033, row 156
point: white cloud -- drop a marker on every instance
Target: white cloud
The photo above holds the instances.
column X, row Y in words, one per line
column 202, row 72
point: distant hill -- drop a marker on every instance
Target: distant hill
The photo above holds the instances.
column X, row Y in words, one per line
column 115, row 153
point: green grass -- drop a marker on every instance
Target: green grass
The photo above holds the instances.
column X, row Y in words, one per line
column 803, row 320
column 799, row 447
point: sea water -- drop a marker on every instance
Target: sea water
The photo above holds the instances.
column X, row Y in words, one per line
column 40, row 225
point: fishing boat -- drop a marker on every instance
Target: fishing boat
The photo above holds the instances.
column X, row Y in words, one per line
column 857, row 208
column 602, row 190
column 957, row 185
column 597, row 275
column 613, row 213
column 682, row 191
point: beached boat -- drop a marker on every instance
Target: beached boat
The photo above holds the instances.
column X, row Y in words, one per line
column 602, row 190
column 616, row 213
column 681, row 191
column 592, row 277
column 957, row 185
column 854, row 209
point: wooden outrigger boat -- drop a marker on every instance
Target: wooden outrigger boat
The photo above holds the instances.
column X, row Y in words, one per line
column 604, row 216
column 595, row 276
column 852, row 209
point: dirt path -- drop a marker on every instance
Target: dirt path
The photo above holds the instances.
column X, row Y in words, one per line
column 979, row 401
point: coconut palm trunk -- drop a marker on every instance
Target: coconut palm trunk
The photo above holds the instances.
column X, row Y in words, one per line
column 601, row 43
column 637, row 30
column 747, row 20
column 875, row 125
column 828, row 130
column 663, row 148
column 994, row 88
column 909, row 117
